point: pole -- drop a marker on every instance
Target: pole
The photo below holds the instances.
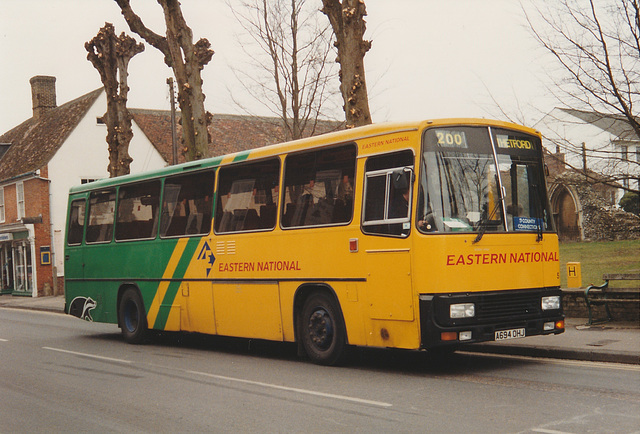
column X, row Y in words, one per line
column 174, row 142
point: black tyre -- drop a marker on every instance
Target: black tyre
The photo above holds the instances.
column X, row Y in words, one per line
column 133, row 318
column 321, row 330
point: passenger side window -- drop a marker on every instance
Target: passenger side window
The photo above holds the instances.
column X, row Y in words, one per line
column 248, row 197
column 319, row 187
column 187, row 204
column 76, row 222
column 137, row 216
column 101, row 212
column 387, row 194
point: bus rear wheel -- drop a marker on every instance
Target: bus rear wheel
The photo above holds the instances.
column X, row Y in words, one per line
column 133, row 318
column 322, row 331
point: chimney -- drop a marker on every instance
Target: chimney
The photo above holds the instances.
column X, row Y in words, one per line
column 43, row 94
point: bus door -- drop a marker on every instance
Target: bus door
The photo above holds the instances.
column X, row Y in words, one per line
column 389, row 284
column 73, row 255
column 386, row 218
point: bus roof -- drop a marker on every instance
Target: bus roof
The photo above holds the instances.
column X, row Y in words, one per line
column 336, row 137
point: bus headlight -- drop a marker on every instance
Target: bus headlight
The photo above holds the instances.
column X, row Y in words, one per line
column 551, row 303
column 462, row 310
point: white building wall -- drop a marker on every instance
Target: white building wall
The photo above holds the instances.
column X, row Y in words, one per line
column 603, row 152
column 560, row 128
column 84, row 155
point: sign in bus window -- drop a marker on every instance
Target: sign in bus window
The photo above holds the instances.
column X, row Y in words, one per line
column 512, row 142
column 451, row 138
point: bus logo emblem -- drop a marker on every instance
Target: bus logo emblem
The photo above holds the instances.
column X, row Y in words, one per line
column 206, row 254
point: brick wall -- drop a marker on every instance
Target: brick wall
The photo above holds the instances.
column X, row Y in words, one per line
column 36, row 203
column 36, row 197
column 43, row 94
column 10, row 204
column 575, row 306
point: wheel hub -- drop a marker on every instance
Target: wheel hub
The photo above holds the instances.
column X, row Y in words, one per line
column 321, row 329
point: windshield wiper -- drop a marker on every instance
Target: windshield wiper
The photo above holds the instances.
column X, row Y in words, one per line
column 484, row 222
column 539, row 212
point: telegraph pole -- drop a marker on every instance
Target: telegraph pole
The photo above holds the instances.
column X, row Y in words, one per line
column 174, row 142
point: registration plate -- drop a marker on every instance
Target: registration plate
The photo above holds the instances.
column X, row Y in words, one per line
column 503, row 335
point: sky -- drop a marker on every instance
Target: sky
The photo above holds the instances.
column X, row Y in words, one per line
column 429, row 58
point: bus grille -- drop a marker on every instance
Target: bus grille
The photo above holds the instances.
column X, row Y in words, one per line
column 510, row 305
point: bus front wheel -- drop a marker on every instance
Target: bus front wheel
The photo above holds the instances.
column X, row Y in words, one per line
column 133, row 318
column 322, row 331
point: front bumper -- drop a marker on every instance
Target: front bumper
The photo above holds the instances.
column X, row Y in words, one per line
column 495, row 311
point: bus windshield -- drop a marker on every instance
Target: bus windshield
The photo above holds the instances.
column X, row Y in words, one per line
column 477, row 179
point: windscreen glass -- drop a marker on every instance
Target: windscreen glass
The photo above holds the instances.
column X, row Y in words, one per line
column 466, row 187
column 459, row 186
column 521, row 173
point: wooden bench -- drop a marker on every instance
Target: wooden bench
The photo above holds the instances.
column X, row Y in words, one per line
column 600, row 295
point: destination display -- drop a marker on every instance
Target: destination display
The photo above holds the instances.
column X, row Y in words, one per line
column 451, row 138
column 511, row 142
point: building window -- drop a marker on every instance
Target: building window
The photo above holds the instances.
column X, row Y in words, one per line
column 624, row 150
column 20, row 196
column 1, row 204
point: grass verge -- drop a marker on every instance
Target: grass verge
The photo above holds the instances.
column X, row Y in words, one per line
column 598, row 258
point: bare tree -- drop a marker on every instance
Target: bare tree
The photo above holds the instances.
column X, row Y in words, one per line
column 187, row 61
column 347, row 20
column 597, row 46
column 110, row 55
column 291, row 78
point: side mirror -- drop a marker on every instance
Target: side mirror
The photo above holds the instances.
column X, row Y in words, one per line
column 400, row 178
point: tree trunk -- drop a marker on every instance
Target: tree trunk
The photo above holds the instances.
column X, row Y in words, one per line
column 187, row 61
column 110, row 55
column 347, row 21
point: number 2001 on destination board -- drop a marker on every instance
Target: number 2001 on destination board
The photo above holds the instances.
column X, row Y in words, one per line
column 503, row 335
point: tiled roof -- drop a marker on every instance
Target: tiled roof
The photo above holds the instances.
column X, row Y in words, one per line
column 34, row 142
column 229, row 133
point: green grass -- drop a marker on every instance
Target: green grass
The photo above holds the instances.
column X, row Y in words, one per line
column 598, row 258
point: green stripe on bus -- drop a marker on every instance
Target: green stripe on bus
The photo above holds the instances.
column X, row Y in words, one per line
column 172, row 290
column 241, row 156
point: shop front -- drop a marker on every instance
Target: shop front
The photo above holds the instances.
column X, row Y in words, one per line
column 17, row 271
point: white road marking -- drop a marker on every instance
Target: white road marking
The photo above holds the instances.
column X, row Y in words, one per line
column 294, row 389
column 240, row 380
column 92, row 356
column 3, row 340
column 549, row 431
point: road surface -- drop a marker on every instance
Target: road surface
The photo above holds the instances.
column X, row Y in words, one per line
column 58, row 373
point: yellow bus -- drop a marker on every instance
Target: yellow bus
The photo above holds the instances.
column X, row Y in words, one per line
column 415, row 235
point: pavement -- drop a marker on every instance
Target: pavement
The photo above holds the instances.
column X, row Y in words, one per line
column 613, row 342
